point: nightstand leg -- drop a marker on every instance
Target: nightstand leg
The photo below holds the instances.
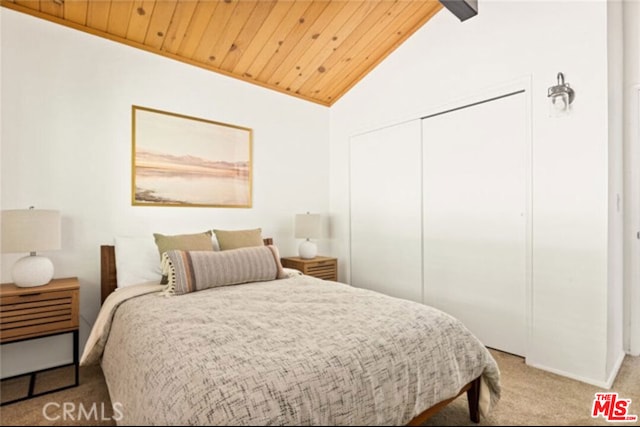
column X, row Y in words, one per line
column 32, row 375
column 76, row 357
column 32, row 383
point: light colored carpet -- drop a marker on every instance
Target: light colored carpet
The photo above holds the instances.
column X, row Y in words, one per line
column 91, row 392
column 529, row 397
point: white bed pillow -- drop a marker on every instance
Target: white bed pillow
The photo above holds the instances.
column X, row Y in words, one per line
column 137, row 260
column 291, row 272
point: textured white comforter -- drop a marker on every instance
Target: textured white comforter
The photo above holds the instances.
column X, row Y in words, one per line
column 297, row 351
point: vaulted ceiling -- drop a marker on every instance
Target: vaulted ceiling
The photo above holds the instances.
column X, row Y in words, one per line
column 313, row 49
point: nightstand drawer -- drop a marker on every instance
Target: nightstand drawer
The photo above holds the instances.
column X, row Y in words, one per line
column 34, row 314
column 321, row 267
column 325, row 271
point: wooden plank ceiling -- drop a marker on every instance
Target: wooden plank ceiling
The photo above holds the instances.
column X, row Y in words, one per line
column 313, row 49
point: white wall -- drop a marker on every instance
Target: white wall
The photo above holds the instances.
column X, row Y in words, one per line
column 66, row 145
column 615, row 278
column 632, row 174
column 447, row 62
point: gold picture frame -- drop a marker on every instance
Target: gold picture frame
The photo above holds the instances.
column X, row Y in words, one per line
column 180, row 160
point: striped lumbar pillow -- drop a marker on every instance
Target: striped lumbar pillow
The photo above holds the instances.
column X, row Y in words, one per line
column 190, row 271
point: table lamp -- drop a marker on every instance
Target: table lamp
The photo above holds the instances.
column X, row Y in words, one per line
column 31, row 230
column 308, row 226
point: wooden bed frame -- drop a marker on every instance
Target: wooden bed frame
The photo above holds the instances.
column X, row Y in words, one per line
column 108, row 282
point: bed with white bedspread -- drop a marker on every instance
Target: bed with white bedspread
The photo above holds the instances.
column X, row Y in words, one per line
column 295, row 351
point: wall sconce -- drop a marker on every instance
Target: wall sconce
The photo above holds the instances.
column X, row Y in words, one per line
column 561, row 97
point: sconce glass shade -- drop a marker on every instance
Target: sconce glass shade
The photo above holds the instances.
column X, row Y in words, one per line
column 31, row 230
column 560, row 101
column 560, row 96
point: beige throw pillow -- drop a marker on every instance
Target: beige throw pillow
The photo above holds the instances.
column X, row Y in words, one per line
column 182, row 242
column 236, row 239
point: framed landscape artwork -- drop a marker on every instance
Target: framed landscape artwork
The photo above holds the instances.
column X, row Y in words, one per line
column 186, row 161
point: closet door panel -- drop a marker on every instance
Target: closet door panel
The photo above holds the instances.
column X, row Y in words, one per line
column 386, row 231
column 474, row 218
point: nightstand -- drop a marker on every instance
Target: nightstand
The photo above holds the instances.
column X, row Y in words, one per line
column 37, row 312
column 321, row 267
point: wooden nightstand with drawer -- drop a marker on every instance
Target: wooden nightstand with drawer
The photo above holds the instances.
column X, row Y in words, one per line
column 38, row 312
column 321, row 267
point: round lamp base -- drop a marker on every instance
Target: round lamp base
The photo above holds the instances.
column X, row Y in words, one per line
column 32, row 271
column 307, row 250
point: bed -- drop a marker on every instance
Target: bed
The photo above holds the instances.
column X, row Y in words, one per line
column 293, row 351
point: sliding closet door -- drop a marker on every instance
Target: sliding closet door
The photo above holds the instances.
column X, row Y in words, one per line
column 475, row 218
column 386, row 233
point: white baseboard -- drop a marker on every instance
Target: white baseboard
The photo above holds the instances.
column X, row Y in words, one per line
column 616, row 369
column 603, row 384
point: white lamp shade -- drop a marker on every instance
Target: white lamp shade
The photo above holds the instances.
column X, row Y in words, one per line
column 30, row 230
column 308, row 226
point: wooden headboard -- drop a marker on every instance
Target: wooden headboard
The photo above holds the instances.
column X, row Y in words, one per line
column 108, row 277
